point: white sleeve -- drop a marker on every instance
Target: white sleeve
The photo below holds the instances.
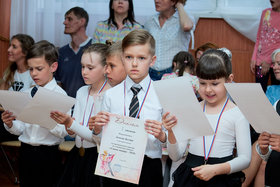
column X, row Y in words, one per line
column 243, row 144
column 17, row 128
column 177, row 151
column 59, row 131
column 81, row 131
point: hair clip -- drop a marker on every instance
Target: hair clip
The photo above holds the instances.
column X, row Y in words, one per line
column 186, row 61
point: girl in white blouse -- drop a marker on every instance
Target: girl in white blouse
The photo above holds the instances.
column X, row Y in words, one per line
column 79, row 168
column 211, row 160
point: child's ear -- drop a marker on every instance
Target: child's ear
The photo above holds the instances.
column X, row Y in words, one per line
column 153, row 60
column 230, row 78
column 54, row 67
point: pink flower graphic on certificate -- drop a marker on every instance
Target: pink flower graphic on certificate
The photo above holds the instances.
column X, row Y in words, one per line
column 106, row 159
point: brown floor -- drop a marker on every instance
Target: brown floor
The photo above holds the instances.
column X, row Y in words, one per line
column 7, row 179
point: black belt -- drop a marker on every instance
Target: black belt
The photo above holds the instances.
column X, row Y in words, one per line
column 194, row 160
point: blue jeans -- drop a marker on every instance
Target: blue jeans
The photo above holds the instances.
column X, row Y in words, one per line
column 156, row 75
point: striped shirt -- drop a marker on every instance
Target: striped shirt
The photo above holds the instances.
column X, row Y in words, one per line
column 170, row 39
column 105, row 31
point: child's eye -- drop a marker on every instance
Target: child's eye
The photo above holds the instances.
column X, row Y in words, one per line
column 142, row 58
column 215, row 83
column 128, row 57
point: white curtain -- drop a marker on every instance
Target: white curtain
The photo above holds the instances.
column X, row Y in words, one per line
column 43, row 19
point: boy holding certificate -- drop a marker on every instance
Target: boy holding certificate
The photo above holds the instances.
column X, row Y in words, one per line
column 39, row 155
column 136, row 97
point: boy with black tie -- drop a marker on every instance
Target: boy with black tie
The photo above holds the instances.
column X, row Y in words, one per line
column 136, row 97
column 39, row 155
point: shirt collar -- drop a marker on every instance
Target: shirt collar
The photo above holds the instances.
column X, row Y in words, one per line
column 82, row 44
column 144, row 83
column 156, row 16
column 51, row 85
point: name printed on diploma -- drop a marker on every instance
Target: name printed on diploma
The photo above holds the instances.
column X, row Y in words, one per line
column 122, row 149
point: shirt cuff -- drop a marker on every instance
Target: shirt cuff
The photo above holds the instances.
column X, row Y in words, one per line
column 266, row 156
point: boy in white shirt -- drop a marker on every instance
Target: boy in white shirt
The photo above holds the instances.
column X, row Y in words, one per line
column 138, row 55
column 39, row 155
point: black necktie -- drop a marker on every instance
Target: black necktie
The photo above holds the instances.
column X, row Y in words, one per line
column 33, row 91
column 134, row 105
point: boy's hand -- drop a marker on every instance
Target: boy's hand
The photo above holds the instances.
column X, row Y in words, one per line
column 263, row 142
column 274, row 142
column 7, row 118
column 169, row 121
column 154, row 127
column 96, row 122
column 62, row 118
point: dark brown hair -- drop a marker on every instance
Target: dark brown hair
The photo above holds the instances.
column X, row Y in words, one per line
column 183, row 60
column 44, row 49
column 80, row 13
column 26, row 42
column 213, row 64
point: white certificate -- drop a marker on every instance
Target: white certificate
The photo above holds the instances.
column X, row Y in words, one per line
column 122, row 149
column 36, row 110
column 255, row 106
column 177, row 96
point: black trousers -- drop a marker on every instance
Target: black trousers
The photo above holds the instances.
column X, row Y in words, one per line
column 151, row 175
column 39, row 165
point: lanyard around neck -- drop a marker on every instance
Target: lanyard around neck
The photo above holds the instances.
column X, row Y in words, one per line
column 100, row 90
column 206, row 156
column 144, row 99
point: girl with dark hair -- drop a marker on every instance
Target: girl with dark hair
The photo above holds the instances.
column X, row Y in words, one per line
column 183, row 65
column 120, row 22
column 210, row 160
column 16, row 76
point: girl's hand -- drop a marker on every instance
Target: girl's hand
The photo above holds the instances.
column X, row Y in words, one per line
column 205, row 172
column 169, row 121
column 263, row 142
column 62, row 118
column 154, row 127
column 7, row 118
column 274, row 142
column 96, row 122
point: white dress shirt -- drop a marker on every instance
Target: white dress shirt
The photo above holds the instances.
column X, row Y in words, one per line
column 170, row 39
column 34, row 134
column 115, row 102
column 233, row 129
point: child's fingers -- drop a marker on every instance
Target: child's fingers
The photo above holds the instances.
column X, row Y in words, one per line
column 196, row 168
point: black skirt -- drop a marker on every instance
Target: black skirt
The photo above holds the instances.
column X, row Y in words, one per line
column 79, row 170
column 183, row 176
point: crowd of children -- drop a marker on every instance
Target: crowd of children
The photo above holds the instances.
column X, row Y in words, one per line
column 115, row 75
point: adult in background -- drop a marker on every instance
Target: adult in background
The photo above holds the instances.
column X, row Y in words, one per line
column 171, row 29
column 268, row 39
column 120, row 22
column 16, row 76
column 69, row 59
